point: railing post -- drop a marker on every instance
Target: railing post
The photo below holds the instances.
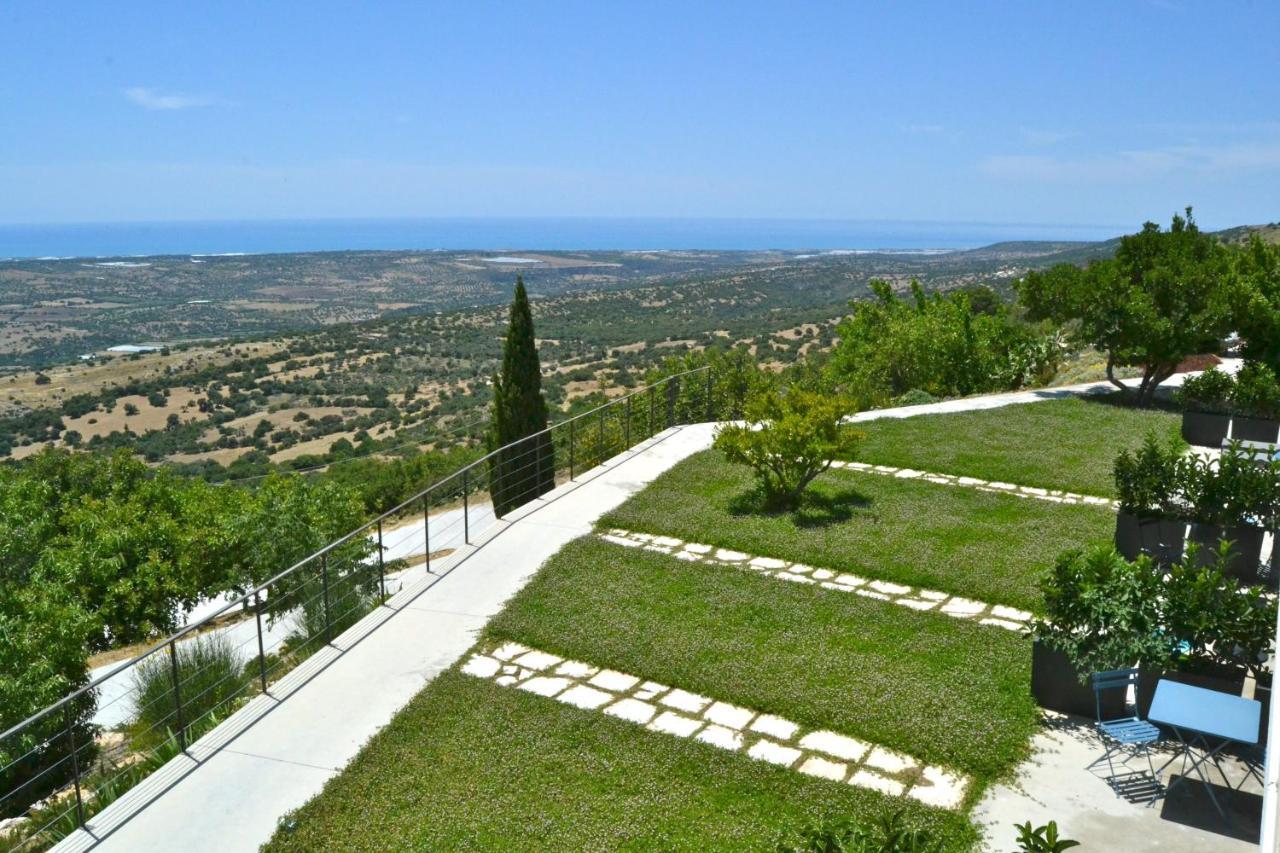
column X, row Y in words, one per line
column 262, row 655
column 627, row 429
column 324, row 581
column 426, row 530
column 466, row 504
column 602, row 456
column 382, row 567
column 652, row 418
column 572, row 421
column 75, row 763
column 673, row 391
column 177, row 697
column 710, row 405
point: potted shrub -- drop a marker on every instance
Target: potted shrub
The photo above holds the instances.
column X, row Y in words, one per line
column 1232, row 500
column 1100, row 614
column 1256, row 405
column 1206, row 407
column 1149, row 486
column 1217, row 632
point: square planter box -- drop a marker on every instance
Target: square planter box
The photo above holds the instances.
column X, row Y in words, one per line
column 1055, row 684
column 1254, row 429
column 1206, row 429
column 1160, row 538
column 1246, row 549
column 1221, row 679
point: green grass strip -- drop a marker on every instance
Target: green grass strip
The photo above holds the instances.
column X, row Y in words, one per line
column 468, row 765
column 1065, row 444
column 986, row 546
column 944, row 691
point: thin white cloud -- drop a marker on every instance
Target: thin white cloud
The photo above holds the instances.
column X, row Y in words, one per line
column 1136, row 165
column 150, row 99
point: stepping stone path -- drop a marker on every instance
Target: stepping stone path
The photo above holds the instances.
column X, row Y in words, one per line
column 764, row 737
column 995, row 615
column 1052, row 495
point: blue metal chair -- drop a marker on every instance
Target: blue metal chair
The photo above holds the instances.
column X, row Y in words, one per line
column 1124, row 733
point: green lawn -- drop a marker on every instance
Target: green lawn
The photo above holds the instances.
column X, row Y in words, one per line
column 991, row 547
column 469, row 765
column 946, row 691
column 1065, row 444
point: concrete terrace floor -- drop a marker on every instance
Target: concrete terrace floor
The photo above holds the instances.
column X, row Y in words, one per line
column 273, row 755
column 1055, row 784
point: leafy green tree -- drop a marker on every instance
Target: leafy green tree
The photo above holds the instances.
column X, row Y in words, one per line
column 941, row 344
column 42, row 659
column 525, row 469
column 1255, row 278
column 1163, row 297
column 789, row 439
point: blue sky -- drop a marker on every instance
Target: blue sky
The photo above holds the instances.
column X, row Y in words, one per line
column 1093, row 113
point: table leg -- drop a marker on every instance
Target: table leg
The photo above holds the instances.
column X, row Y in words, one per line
column 1197, row 764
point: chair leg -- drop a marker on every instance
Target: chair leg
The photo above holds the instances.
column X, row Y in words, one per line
column 1155, row 780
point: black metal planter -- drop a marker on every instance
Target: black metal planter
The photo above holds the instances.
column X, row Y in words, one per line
column 1245, row 554
column 1254, row 429
column 1159, row 538
column 1129, row 534
column 1219, row 678
column 1205, row 429
column 1055, row 684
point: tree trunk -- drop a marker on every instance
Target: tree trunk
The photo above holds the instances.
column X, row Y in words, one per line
column 1111, row 374
column 1152, row 377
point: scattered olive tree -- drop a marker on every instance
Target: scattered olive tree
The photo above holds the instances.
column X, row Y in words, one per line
column 789, row 439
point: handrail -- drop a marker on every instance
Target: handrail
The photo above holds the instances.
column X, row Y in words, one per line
column 252, row 594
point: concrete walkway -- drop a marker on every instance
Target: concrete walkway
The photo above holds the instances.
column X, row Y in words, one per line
column 274, row 755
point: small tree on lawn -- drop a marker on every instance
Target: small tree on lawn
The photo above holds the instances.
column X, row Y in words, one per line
column 1163, row 297
column 789, row 439
column 526, row 469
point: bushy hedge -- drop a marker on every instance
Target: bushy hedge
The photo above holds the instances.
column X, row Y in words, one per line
column 938, row 344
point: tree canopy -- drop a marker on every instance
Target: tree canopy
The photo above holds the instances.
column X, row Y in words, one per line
column 1161, row 298
column 945, row 345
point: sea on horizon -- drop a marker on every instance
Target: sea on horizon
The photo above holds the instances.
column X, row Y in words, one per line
column 113, row 240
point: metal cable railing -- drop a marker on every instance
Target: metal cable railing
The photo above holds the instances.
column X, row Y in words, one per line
column 52, row 768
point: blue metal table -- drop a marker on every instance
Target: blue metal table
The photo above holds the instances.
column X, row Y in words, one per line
column 1198, row 716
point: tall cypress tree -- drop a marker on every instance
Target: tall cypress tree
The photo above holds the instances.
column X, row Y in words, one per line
column 525, row 466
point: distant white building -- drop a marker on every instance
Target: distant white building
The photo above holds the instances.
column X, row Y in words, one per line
column 132, row 348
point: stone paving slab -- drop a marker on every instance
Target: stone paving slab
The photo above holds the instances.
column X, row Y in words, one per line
column 1056, row 496
column 680, row 713
column 955, row 606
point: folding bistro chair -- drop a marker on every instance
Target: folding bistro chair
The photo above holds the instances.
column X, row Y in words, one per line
column 1124, row 733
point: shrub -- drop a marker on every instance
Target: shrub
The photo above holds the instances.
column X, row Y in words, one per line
column 938, row 344
column 1257, row 393
column 789, row 439
column 352, row 594
column 1231, row 490
column 1042, row 839
column 1210, row 391
column 1215, row 619
column 915, row 397
column 889, row 835
column 1101, row 611
column 210, row 673
column 1104, row 612
column 1149, row 481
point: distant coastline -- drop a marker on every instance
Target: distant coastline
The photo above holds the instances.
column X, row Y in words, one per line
column 124, row 240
